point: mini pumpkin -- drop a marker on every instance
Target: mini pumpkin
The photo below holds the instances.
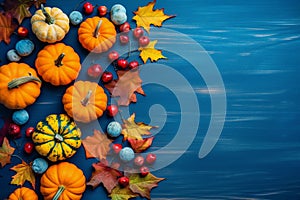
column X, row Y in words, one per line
column 58, row 64
column 63, row 181
column 50, row 24
column 97, row 34
column 85, row 101
column 19, row 85
column 23, row 193
column 57, row 137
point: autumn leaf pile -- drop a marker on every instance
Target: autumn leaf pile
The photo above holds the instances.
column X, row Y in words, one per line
column 107, row 170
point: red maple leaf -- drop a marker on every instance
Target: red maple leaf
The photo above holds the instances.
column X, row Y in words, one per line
column 125, row 86
column 105, row 174
column 7, row 27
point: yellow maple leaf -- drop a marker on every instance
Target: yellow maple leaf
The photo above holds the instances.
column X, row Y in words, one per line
column 5, row 152
column 145, row 16
column 24, row 173
column 149, row 52
column 132, row 130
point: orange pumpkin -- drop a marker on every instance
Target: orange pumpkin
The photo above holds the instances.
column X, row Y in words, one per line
column 97, row 34
column 19, row 85
column 85, row 101
column 58, row 64
column 23, row 193
column 63, row 181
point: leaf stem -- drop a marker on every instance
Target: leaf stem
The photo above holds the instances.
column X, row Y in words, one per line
column 13, row 155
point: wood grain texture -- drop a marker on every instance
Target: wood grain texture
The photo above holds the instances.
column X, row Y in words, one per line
column 255, row 46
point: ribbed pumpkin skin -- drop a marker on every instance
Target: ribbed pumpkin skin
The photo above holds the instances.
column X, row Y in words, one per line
column 76, row 93
column 48, row 133
column 50, row 32
column 63, row 174
column 106, row 38
column 23, row 193
column 22, row 96
column 58, row 74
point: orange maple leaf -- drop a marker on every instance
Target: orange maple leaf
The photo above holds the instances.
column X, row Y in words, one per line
column 145, row 16
column 24, row 173
column 5, row 152
column 124, row 87
column 7, row 27
column 149, row 52
column 133, row 130
column 139, row 146
column 96, row 146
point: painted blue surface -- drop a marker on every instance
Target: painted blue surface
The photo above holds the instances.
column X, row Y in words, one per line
column 255, row 45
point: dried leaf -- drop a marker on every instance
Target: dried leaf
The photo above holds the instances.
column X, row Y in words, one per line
column 96, row 146
column 140, row 145
column 143, row 185
column 125, row 86
column 122, row 193
column 5, row 152
column 149, row 52
column 106, row 175
column 7, row 27
column 4, row 130
column 145, row 16
column 132, row 130
column 38, row 3
column 24, row 173
column 19, row 9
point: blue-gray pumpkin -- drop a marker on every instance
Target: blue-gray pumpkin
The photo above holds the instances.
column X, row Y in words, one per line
column 24, row 47
column 20, row 117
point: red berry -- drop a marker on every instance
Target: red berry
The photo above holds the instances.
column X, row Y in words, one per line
column 117, row 148
column 133, row 64
column 88, row 8
column 139, row 160
column 124, row 39
column 151, row 158
column 14, row 130
column 112, row 110
column 122, row 63
column 95, row 70
column 102, row 10
column 123, row 181
column 29, row 131
column 138, row 32
column 113, row 55
column 22, row 31
column 144, row 171
column 125, row 27
column 107, row 77
column 144, row 41
column 28, row 147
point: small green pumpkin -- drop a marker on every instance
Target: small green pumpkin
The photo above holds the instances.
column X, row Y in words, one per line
column 56, row 138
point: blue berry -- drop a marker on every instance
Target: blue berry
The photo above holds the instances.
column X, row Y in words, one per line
column 126, row 154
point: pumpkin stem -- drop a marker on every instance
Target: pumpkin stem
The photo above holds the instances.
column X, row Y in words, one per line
column 49, row 19
column 60, row 190
column 58, row 61
column 86, row 99
column 19, row 81
column 96, row 33
column 59, row 137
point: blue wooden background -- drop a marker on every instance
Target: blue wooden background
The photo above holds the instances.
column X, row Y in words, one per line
column 255, row 45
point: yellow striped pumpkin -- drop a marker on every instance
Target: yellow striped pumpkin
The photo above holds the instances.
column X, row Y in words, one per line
column 57, row 138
